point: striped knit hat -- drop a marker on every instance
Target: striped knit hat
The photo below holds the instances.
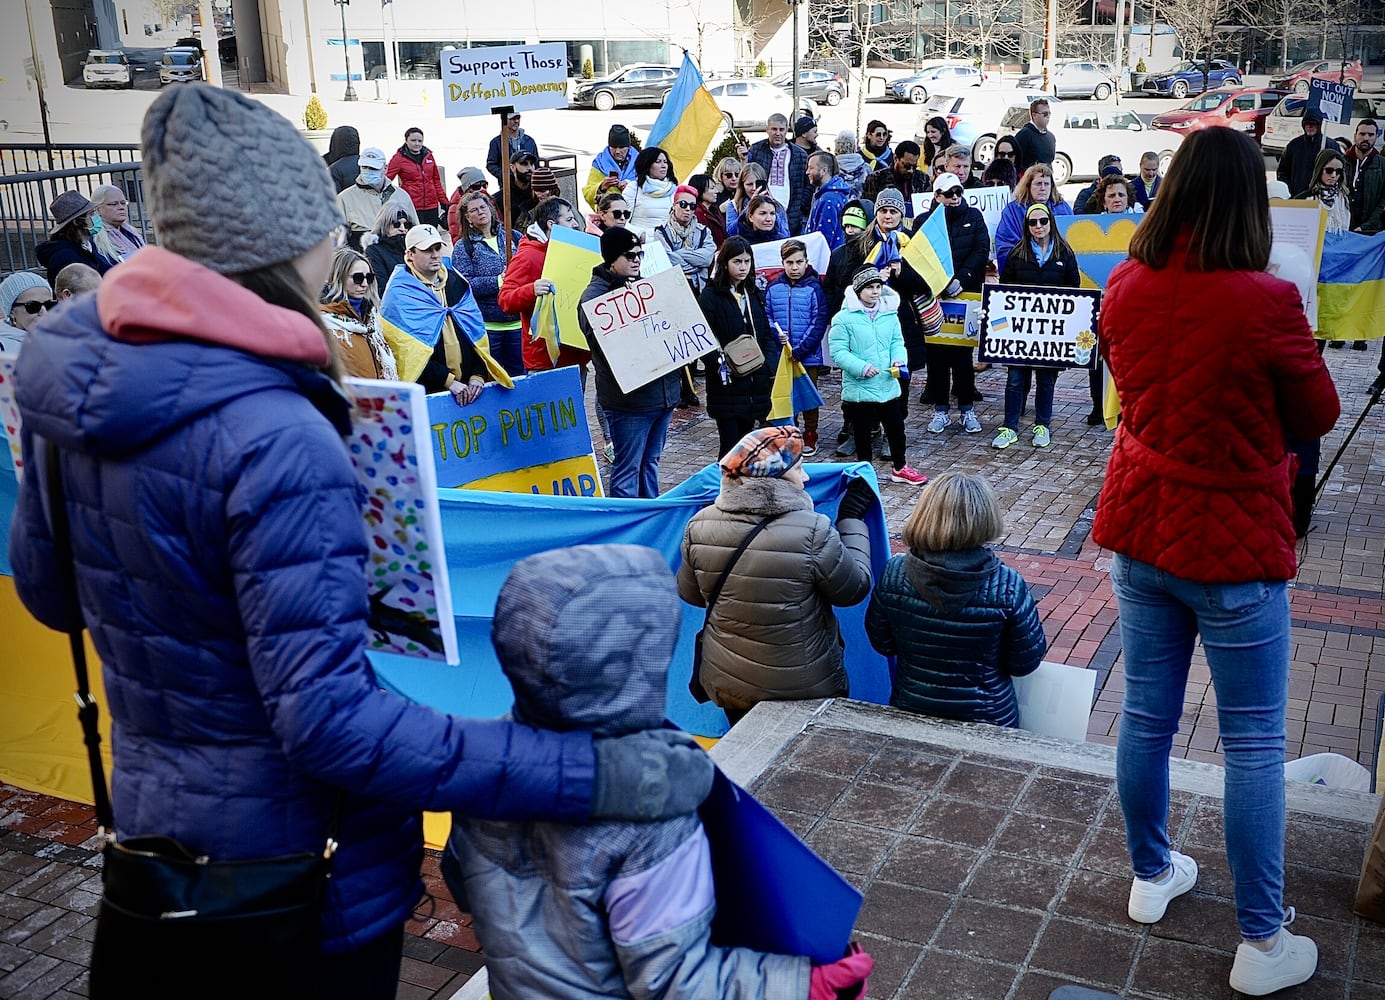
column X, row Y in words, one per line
column 766, row 453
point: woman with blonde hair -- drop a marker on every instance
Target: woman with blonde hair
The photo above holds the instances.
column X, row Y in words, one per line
column 1035, row 186
column 728, row 175
column 478, row 257
column 349, row 300
column 752, row 181
column 959, row 621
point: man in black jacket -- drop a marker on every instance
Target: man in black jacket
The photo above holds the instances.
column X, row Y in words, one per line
column 1036, row 144
column 1296, row 165
column 639, row 418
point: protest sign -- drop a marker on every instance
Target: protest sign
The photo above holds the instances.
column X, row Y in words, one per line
column 961, row 321
column 649, row 328
column 1100, row 242
column 1039, row 327
column 990, row 202
column 568, row 264
column 1297, row 232
column 9, row 412
column 406, row 565
column 1331, row 100
column 1056, row 700
column 522, row 77
column 769, row 264
column 533, row 438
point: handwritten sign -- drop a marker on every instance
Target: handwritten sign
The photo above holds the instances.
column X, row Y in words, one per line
column 990, row 202
column 1039, row 327
column 525, row 77
column 1331, row 100
column 649, row 328
column 406, row 562
column 530, row 439
column 961, row 321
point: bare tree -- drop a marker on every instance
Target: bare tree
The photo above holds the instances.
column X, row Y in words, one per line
column 855, row 32
column 990, row 28
column 1199, row 24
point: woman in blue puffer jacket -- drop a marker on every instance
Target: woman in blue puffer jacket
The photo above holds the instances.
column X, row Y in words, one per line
column 960, row 621
column 478, row 257
column 220, row 554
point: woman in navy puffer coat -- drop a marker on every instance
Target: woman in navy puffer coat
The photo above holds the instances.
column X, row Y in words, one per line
column 220, row 552
column 960, row 621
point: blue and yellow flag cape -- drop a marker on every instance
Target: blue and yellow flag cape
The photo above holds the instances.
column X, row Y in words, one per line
column 687, row 122
column 412, row 317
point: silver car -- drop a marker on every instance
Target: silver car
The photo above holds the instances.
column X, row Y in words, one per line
column 944, row 79
column 180, row 64
column 1076, row 79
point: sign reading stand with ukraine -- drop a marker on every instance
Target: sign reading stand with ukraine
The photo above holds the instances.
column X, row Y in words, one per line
column 524, row 77
column 1039, row 327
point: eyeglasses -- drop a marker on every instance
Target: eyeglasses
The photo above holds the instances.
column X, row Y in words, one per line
column 362, row 277
column 32, row 308
column 634, row 255
column 1037, row 223
column 621, row 213
column 1335, row 171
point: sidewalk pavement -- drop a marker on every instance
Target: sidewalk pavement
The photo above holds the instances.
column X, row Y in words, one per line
column 48, row 873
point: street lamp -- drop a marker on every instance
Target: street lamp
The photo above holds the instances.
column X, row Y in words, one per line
column 350, row 94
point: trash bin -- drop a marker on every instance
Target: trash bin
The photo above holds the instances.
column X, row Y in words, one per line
column 1330, row 769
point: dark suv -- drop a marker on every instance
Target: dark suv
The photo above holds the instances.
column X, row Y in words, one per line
column 821, row 85
column 639, row 83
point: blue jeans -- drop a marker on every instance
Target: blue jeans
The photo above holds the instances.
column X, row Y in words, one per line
column 1245, row 635
column 1017, row 389
column 638, row 439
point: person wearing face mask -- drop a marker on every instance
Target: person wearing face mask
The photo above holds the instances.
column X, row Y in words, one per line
column 415, row 169
column 25, row 298
column 75, row 223
column 361, row 202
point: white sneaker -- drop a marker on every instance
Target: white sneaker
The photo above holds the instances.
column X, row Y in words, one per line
column 939, row 422
column 1293, row 961
column 1149, row 899
column 970, row 423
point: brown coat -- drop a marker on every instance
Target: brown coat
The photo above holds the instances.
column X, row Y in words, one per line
column 773, row 636
column 351, row 342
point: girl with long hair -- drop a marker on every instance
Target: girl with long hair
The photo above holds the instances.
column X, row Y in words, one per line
column 1329, row 170
column 937, row 137
column 650, row 194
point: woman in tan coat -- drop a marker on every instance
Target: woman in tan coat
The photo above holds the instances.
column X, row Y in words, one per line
column 772, row 635
column 349, row 301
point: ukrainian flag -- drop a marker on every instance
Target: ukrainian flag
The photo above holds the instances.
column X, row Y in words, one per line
column 688, row 121
column 929, row 252
column 1351, row 287
column 412, row 319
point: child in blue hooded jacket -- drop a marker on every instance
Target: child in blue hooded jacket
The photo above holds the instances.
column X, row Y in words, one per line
column 797, row 309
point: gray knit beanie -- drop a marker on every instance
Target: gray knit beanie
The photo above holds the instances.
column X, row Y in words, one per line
column 231, row 184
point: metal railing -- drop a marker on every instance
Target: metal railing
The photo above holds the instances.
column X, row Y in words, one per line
column 24, row 199
column 25, row 158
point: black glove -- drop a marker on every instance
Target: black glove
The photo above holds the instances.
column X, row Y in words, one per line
column 650, row 775
column 857, row 501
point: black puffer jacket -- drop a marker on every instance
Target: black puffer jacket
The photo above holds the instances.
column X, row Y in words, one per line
column 384, row 254
column 661, row 394
column 1059, row 271
column 971, row 245
column 961, row 624
column 744, row 396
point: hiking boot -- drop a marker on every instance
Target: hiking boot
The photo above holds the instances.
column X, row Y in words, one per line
column 969, row 422
column 907, row 475
column 1291, row 961
column 1004, row 439
column 939, row 423
column 1041, row 438
column 810, row 443
column 1149, row 899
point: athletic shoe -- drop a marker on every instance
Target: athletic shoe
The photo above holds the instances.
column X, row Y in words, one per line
column 1041, row 438
column 1149, row 899
column 810, row 443
column 609, row 451
column 1336, row 345
column 908, row 475
column 939, row 422
column 846, row 447
column 1291, row 961
column 1005, row 438
column 1358, row 345
column 969, row 422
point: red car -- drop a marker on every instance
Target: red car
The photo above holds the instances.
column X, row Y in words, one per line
column 1242, row 108
column 1296, row 77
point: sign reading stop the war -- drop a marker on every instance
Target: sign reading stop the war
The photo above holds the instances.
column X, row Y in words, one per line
column 649, row 328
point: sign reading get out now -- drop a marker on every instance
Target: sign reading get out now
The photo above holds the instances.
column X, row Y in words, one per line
column 525, row 77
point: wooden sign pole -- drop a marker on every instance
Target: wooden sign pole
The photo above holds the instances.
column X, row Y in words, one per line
column 504, row 111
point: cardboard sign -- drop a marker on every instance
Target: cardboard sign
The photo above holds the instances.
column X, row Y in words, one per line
column 406, row 568
column 533, row 438
column 1039, row 327
column 649, row 328
column 1056, row 700
column 1101, row 242
column 524, row 77
column 9, row 412
column 571, row 256
column 1297, row 232
column 1330, row 99
column 961, row 321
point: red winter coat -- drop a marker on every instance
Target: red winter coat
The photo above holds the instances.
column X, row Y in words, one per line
column 420, row 181
column 517, row 296
column 1214, row 369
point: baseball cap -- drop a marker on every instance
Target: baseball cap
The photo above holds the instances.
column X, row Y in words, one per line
column 423, row 236
column 947, row 182
column 372, row 157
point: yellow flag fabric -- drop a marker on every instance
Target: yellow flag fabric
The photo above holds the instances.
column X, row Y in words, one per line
column 688, row 121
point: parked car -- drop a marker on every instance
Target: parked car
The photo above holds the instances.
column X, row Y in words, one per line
column 1286, row 121
column 1086, row 134
column 750, row 102
column 1296, row 77
column 107, row 68
column 180, row 64
column 638, row 83
column 1244, row 110
column 1192, row 78
column 973, row 116
column 1076, row 79
column 943, row 78
column 822, row 85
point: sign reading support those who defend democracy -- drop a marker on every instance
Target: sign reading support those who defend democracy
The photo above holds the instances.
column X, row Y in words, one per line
column 524, row 77
column 649, row 328
column 1039, row 327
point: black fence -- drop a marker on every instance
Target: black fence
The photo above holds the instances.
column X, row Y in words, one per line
column 24, row 199
column 28, row 158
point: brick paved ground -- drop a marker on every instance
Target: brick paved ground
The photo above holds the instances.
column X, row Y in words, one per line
column 47, row 887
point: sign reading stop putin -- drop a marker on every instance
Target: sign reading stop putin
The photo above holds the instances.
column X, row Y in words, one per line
column 649, row 328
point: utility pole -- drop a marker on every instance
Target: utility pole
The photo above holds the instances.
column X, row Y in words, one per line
column 38, row 82
column 1050, row 38
column 794, row 63
column 350, row 94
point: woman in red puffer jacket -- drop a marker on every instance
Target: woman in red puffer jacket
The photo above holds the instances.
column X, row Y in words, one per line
column 413, row 168
column 1215, row 365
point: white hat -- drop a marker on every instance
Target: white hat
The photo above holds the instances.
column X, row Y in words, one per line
column 423, row 236
column 372, row 158
column 947, row 182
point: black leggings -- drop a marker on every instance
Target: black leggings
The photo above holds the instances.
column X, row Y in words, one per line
column 730, row 430
column 950, row 363
column 862, row 417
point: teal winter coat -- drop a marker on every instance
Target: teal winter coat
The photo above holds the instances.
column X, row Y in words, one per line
column 857, row 340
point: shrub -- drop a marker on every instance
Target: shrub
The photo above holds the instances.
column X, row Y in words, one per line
column 1140, row 67
column 727, row 147
column 314, row 115
column 587, row 71
column 761, row 69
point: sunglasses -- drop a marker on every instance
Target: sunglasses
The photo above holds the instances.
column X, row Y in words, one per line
column 32, row 308
column 1005, row 156
column 687, row 204
column 951, row 193
column 634, row 255
column 1037, row 223
column 1335, row 171
column 401, row 222
column 362, row 277
column 621, row 213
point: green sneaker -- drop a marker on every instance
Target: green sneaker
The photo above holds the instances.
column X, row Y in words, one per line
column 1005, row 438
column 1041, row 438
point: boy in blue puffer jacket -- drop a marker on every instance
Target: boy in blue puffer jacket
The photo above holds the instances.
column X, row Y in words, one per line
column 580, row 912
column 797, row 309
column 960, row 621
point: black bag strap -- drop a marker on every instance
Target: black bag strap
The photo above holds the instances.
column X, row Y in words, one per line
column 725, row 573
column 87, row 710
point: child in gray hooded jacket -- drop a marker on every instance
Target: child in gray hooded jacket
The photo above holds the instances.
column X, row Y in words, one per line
column 620, row 909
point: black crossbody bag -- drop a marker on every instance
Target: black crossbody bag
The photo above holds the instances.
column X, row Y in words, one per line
column 172, row 923
column 695, row 687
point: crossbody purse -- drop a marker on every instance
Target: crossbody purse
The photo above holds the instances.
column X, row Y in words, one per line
column 695, row 687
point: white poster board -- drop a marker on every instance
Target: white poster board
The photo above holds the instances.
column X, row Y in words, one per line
column 9, row 411
column 649, row 328
column 524, row 77
column 990, row 202
column 1297, row 231
column 1039, row 326
column 1056, row 700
